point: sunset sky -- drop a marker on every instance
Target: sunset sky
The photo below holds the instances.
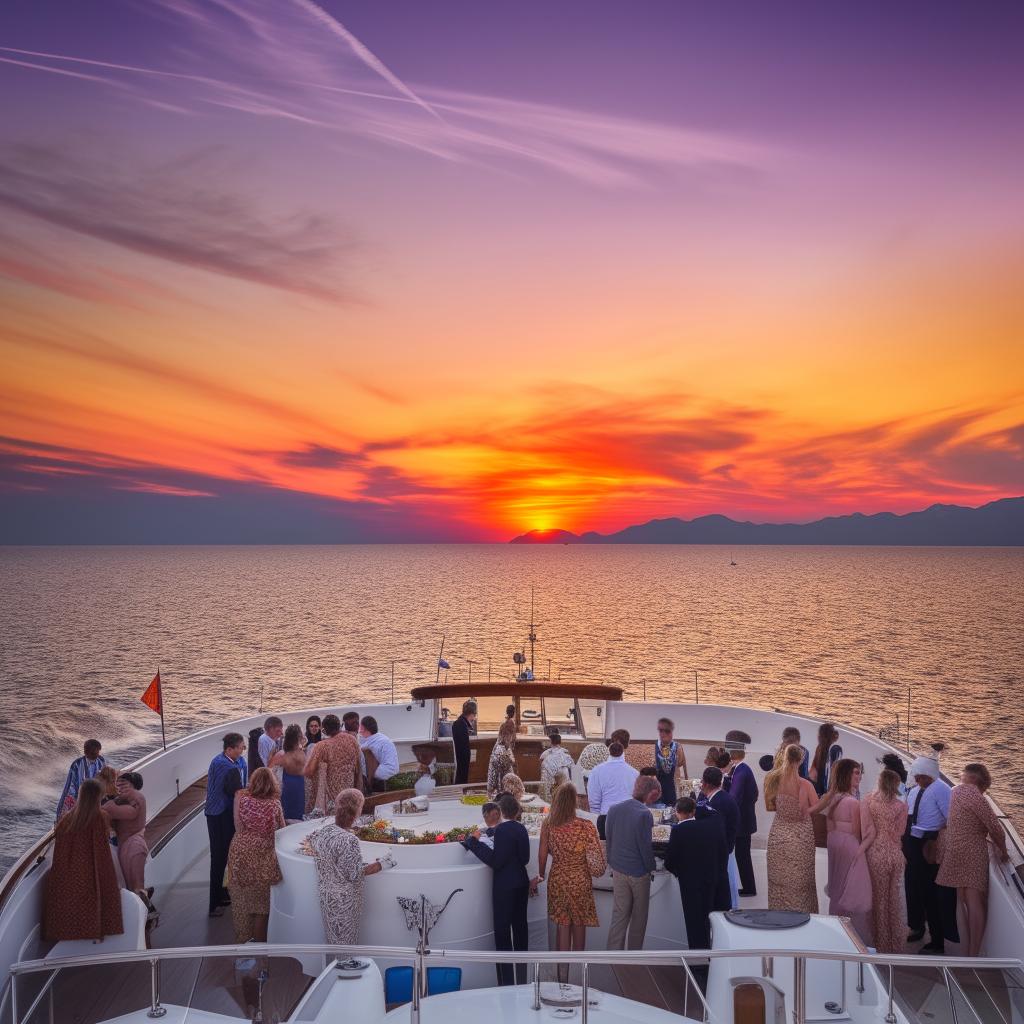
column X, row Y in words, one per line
column 453, row 271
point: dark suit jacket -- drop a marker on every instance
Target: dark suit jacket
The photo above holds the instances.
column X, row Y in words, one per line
column 460, row 737
column 509, row 857
column 742, row 787
column 698, row 857
column 723, row 804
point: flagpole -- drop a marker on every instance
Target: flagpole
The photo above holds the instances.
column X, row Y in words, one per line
column 163, row 734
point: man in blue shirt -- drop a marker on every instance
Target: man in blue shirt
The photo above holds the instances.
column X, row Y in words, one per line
column 928, row 807
column 227, row 774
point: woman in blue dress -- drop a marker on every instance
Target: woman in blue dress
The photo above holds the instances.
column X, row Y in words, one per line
column 292, row 760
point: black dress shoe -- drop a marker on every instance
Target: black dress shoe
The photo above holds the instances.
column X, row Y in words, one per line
column 226, row 902
column 216, row 911
column 916, row 935
column 934, row 949
column 748, row 892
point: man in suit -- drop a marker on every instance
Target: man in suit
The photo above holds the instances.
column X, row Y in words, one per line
column 462, row 728
column 741, row 785
column 510, row 886
column 721, row 803
column 697, row 857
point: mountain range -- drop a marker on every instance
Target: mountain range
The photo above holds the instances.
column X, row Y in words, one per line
column 999, row 523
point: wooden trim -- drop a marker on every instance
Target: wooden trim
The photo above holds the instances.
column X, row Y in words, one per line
column 585, row 691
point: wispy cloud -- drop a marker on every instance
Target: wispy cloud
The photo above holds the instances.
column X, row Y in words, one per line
column 296, row 62
column 165, row 212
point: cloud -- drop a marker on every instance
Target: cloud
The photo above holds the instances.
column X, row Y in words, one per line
column 276, row 61
column 161, row 211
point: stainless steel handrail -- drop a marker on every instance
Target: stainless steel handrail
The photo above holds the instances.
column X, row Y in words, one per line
column 667, row 957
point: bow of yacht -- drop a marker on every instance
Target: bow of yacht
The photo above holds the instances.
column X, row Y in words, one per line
column 758, row 969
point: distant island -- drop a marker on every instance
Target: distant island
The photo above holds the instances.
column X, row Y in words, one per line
column 998, row 524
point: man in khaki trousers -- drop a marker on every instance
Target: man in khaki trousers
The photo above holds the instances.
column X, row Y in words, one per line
column 630, row 855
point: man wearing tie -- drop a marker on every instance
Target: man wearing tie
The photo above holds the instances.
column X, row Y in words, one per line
column 697, row 856
column 510, row 886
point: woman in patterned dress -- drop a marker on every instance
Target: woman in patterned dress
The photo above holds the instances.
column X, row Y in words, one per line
column 252, row 859
column 567, row 839
column 503, row 760
column 965, row 857
column 340, row 870
column 849, row 883
column 333, row 766
column 513, row 785
column 883, row 820
column 82, row 899
column 791, row 880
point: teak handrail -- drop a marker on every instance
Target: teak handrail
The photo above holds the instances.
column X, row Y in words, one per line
column 585, row 691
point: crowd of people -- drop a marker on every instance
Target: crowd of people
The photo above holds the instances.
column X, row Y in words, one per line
column 901, row 859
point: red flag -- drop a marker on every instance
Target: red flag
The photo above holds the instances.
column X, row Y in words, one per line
column 152, row 698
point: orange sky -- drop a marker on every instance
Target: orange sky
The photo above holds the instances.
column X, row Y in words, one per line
column 537, row 316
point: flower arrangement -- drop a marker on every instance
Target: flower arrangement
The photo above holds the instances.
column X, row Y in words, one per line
column 384, row 832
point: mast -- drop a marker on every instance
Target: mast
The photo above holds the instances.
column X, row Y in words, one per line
column 533, row 632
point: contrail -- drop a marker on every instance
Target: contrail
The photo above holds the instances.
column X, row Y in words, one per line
column 370, row 59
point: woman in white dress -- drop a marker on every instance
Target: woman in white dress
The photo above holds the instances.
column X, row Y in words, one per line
column 340, row 870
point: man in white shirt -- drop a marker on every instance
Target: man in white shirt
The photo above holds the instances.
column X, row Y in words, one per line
column 928, row 809
column 610, row 783
column 386, row 753
column 272, row 739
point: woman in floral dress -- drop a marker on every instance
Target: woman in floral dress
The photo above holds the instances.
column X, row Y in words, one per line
column 252, row 859
column 791, row 880
column 340, row 870
column 883, row 820
column 576, row 854
column 965, row 855
column 503, row 761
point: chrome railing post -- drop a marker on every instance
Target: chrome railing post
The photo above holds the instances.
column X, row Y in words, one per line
column 799, row 990
column 155, row 1009
column 584, row 1008
column 414, row 1006
column 890, row 1016
column 14, row 999
column 536, row 985
column 767, row 967
column 860, row 977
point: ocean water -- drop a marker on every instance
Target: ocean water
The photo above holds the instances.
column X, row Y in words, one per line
column 833, row 632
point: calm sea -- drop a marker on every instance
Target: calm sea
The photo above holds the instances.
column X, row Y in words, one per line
column 833, row 632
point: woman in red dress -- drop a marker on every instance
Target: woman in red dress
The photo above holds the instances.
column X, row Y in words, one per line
column 83, row 898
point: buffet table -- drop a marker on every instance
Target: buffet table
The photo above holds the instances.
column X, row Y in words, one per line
column 435, row 870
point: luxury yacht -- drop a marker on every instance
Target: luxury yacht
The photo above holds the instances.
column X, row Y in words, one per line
column 427, row 948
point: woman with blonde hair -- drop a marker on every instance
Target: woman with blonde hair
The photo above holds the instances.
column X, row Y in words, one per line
column 883, row 820
column 576, row 857
column 82, row 899
column 969, row 827
column 513, row 785
column 340, row 870
column 252, row 860
column 503, row 760
column 791, row 881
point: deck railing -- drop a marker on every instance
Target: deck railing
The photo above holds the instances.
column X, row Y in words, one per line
column 421, row 957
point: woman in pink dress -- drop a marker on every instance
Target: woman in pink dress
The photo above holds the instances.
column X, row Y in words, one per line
column 849, row 884
column 965, row 856
column 883, row 819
